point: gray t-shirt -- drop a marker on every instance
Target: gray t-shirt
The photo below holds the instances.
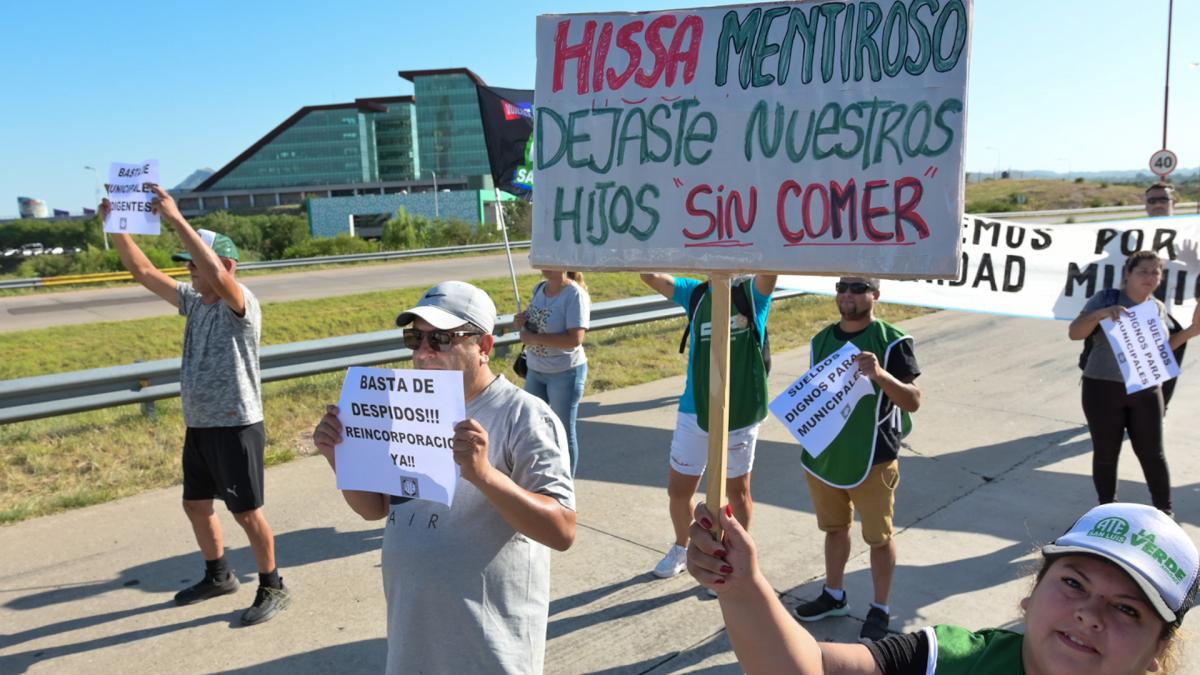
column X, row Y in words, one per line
column 1102, row 363
column 465, row 592
column 570, row 308
column 219, row 376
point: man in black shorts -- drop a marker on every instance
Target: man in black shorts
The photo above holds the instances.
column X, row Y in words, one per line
column 222, row 404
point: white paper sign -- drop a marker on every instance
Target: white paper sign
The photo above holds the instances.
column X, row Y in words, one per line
column 1141, row 343
column 1048, row 271
column 129, row 194
column 771, row 137
column 397, row 432
column 815, row 408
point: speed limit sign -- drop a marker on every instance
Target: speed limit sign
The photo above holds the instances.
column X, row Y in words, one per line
column 1163, row 162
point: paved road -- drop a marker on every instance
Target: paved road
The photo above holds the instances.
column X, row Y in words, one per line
column 53, row 308
column 999, row 461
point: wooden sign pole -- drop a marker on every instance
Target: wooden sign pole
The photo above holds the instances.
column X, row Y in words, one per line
column 718, row 396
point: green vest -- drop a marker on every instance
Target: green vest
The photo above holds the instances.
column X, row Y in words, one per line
column 846, row 462
column 958, row 651
column 747, row 373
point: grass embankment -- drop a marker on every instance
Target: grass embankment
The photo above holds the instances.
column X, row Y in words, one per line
column 76, row 460
column 1035, row 194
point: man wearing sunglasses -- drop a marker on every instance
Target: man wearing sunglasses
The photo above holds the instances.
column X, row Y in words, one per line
column 859, row 470
column 468, row 586
column 222, row 404
column 1160, row 200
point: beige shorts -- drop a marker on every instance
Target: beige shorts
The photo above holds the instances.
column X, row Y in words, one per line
column 689, row 448
column 875, row 499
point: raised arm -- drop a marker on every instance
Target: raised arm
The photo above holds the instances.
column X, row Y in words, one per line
column 765, row 283
column 369, row 505
column 765, row 638
column 539, row 517
column 144, row 272
column 207, row 264
column 663, row 283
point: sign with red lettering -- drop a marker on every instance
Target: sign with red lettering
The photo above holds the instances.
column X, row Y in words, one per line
column 816, row 137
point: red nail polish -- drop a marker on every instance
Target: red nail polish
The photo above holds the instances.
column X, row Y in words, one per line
column 720, row 553
column 729, row 510
column 706, row 523
column 726, row 569
column 719, row 582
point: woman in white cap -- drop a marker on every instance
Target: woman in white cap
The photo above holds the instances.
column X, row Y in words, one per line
column 1109, row 598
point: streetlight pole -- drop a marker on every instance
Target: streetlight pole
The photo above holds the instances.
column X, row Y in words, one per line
column 96, row 196
column 436, row 212
column 1167, row 82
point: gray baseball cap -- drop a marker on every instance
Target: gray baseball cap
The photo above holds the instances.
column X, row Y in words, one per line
column 450, row 304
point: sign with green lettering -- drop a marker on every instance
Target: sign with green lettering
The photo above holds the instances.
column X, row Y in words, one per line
column 823, row 137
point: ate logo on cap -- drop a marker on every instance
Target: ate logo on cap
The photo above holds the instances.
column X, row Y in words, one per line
column 1112, row 528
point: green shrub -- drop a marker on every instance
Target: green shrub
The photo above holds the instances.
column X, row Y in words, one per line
column 343, row 244
column 989, row 206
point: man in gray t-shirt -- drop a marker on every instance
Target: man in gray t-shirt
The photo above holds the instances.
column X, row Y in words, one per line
column 222, row 404
column 468, row 586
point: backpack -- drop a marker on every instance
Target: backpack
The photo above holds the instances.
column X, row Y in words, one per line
column 1111, row 297
column 742, row 301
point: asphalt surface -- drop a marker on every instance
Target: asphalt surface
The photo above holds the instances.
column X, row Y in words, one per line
column 998, row 462
column 56, row 308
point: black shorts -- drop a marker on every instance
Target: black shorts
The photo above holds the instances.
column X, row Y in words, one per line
column 225, row 463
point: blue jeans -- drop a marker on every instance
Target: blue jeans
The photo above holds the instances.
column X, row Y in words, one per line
column 562, row 391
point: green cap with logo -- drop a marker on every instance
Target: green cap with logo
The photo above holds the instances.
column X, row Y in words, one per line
column 1152, row 549
column 222, row 245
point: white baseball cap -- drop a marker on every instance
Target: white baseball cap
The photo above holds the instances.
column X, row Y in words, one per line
column 450, row 304
column 1152, row 549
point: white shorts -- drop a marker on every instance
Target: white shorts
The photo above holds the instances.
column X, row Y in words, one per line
column 689, row 448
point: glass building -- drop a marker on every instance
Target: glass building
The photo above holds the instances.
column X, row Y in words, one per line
column 371, row 145
column 366, row 141
column 449, row 131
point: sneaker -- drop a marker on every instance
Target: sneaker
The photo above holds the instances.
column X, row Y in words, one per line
column 674, row 562
column 824, row 606
column 208, row 587
column 876, row 625
column 267, row 603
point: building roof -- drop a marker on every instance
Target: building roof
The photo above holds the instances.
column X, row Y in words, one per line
column 411, row 74
column 375, row 104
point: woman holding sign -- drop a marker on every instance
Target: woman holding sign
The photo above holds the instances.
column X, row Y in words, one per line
column 552, row 330
column 1110, row 410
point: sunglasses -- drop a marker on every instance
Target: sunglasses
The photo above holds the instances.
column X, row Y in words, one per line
column 856, row 287
column 439, row 340
column 1157, row 200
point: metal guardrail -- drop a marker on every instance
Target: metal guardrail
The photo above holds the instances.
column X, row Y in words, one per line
column 39, row 282
column 65, row 393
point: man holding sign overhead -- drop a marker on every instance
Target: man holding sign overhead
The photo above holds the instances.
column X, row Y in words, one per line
column 859, row 469
column 222, row 403
column 468, row 585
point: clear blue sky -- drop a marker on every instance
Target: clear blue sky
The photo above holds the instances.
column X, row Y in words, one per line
column 1054, row 84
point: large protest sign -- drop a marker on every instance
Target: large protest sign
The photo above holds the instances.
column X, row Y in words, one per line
column 398, row 430
column 1049, row 271
column 816, row 407
column 129, row 195
column 816, row 137
column 1140, row 341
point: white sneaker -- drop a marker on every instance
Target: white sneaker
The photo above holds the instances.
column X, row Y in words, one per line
column 674, row 562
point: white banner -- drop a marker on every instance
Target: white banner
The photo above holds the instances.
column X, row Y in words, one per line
column 815, row 408
column 1048, row 271
column 1141, row 344
column 129, row 194
column 398, row 430
column 782, row 137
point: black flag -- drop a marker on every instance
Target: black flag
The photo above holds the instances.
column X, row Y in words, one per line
column 507, row 116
